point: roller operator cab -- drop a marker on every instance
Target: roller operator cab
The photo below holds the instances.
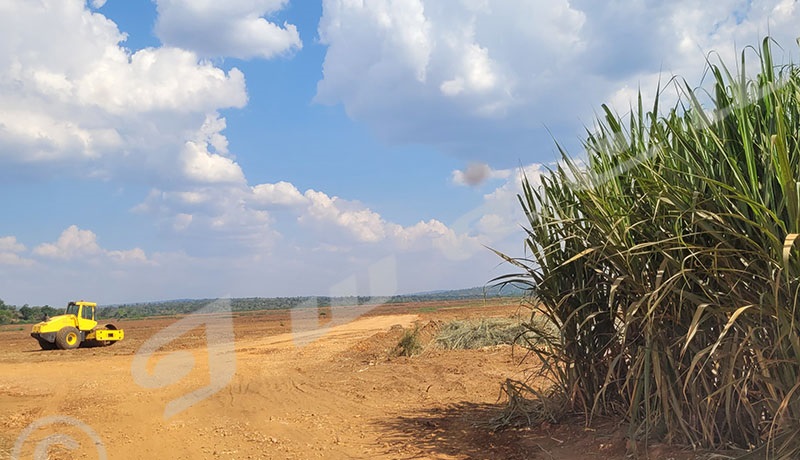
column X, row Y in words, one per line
column 76, row 327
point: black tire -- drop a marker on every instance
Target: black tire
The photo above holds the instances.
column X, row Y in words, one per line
column 46, row 345
column 68, row 338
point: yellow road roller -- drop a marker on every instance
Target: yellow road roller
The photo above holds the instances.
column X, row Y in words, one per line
column 76, row 327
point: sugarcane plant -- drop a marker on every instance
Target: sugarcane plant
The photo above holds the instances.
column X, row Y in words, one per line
column 664, row 261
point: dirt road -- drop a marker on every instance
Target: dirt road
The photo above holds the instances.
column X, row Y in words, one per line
column 334, row 392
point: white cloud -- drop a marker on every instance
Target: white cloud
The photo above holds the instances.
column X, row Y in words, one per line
column 75, row 244
column 77, row 103
column 364, row 226
column 493, row 81
column 360, row 222
column 154, row 80
column 360, row 225
column 182, row 221
column 10, row 244
column 234, row 28
column 10, row 250
column 200, row 165
column 8, row 258
column 220, row 212
column 279, row 194
column 433, row 234
column 135, row 255
column 442, row 72
column 245, row 219
column 391, row 38
column 326, row 238
column 475, row 75
column 496, row 222
column 507, row 192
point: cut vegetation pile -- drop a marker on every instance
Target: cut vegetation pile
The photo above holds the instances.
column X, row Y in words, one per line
column 666, row 263
column 462, row 335
column 410, row 344
column 487, row 332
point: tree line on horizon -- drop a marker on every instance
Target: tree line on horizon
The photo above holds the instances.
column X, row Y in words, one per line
column 10, row 314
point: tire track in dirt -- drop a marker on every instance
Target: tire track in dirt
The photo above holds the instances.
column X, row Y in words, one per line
column 277, row 398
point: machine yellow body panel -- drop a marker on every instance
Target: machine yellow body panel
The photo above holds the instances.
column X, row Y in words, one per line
column 55, row 324
column 104, row 335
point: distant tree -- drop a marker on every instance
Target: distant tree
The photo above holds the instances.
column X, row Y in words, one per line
column 47, row 310
column 8, row 313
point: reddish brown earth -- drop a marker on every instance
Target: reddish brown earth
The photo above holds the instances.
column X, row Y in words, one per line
column 294, row 395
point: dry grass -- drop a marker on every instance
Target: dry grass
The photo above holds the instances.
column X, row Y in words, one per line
column 486, row 332
column 410, row 344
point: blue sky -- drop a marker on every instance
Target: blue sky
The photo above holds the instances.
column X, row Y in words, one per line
column 183, row 148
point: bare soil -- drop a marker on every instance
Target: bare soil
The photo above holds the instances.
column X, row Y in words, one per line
column 339, row 392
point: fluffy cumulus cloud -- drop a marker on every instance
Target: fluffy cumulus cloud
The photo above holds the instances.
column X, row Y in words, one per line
column 359, row 224
column 487, row 79
column 75, row 244
column 10, row 250
column 245, row 218
column 218, row 213
column 344, row 221
column 278, row 194
column 236, row 28
column 75, row 100
column 363, row 224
